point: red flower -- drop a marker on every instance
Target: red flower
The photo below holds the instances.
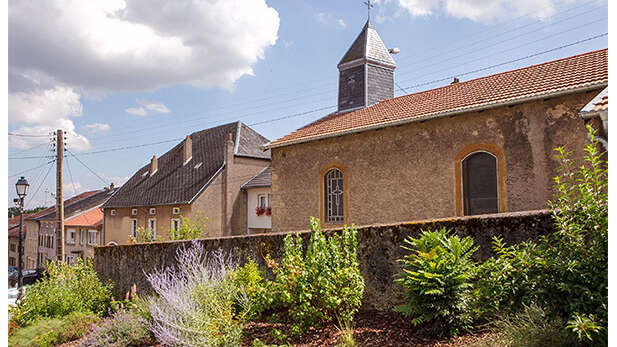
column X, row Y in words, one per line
column 268, row 211
column 259, row 210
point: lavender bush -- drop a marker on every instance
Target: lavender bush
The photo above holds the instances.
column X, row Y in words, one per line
column 197, row 301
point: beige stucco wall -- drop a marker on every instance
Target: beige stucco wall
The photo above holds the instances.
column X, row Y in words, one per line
column 30, row 244
column 12, row 248
column 407, row 172
column 80, row 246
column 118, row 227
column 255, row 221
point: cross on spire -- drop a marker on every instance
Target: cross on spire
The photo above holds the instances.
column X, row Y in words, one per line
column 369, row 5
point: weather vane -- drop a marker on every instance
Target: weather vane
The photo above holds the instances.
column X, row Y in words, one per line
column 368, row 7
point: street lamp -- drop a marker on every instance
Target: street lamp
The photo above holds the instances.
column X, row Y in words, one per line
column 22, row 190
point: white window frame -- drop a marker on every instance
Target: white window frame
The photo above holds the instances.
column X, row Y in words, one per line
column 112, row 212
column 134, row 212
column 152, row 210
column 92, row 237
column 134, row 227
column 269, row 200
column 150, row 228
column 81, row 237
column 259, row 200
column 175, row 220
column 175, row 210
column 70, row 236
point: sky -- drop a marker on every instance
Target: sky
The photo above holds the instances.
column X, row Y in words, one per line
column 129, row 79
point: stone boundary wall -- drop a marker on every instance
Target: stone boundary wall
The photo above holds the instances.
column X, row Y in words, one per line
column 378, row 250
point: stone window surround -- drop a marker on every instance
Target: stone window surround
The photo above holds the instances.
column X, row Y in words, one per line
column 322, row 212
column 495, row 151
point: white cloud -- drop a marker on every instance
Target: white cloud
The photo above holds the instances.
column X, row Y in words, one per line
column 102, row 46
column 73, row 188
column 288, row 44
column 41, row 112
column 157, row 107
column 341, row 23
column 137, row 111
column 482, row 10
column 98, row 127
column 326, row 18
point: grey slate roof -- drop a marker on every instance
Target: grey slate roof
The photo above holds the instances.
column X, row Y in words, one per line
column 368, row 45
column 175, row 183
column 262, row 179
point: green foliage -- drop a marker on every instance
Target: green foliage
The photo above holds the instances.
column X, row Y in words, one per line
column 345, row 329
column 250, row 278
column 436, row 278
column 67, row 288
column 125, row 328
column 144, row 235
column 566, row 273
column 585, row 328
column 319, row 285
column 531, row 327
column 190, row 229
column 53, row 331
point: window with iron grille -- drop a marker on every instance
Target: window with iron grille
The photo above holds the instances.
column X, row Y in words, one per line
column 480, row 191
column 334, row 196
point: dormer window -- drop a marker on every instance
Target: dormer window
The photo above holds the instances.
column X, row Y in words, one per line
column 153, row 210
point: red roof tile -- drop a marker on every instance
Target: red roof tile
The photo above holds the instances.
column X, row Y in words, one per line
column 583, row 70
column 91, row 218
column 602, row 104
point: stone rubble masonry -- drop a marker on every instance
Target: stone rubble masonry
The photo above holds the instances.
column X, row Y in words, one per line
column 379, row 246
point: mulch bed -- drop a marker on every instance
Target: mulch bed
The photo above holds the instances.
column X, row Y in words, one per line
column 371, row 329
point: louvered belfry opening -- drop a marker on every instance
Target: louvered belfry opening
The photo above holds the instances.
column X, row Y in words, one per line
column 480, row 184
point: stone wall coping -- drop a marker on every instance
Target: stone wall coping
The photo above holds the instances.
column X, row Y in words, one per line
column 385, row 225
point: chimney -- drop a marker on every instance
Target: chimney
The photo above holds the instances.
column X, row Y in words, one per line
column 456, row 80
column 111, row 186
column 154, row 165
column 187, row 150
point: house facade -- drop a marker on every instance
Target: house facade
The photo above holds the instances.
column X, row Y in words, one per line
column 259, row 202
column 480, row 146
column 201, row 176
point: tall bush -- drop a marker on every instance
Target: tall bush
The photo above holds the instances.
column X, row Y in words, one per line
column 196, row 302
column 320, row 285
column 67, row 288
column 436, row 277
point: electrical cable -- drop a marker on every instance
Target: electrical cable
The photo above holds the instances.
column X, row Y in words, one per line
column 87, row 167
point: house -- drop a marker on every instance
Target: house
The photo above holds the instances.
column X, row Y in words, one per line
column 596, row 113
column 259, row 202
column 470, row 147
column 13, row 233
column 82, row 228
column 201, row 176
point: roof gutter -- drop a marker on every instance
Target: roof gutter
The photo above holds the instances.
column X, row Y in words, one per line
column 442, row 114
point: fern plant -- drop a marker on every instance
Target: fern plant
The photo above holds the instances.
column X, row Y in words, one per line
column 436, row 278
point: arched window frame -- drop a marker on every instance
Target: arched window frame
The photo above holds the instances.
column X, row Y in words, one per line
column 496, row 152
column 322, row 194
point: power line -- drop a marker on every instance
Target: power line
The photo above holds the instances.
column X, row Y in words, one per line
column 40, row 184
column 27, row 170
column 293, row 115
column 32, row 157
column 27, row 135
column 87, row 167
column 127, row 147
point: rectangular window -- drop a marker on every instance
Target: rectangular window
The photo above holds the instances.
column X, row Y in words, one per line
column 153, row 210
column 70, row 236
column 269, row 200
column 134, row 227
column 81, row 237
column 175, row 224
column 152, row 226
column 113, row 212
column 92, row 237
column 175, row 210
column 134, row 212
column 12, row 247
column 261, row 201
column 11, row 261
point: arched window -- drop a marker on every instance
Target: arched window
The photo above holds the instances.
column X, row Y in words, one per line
column 480, row 190
column 334, row 201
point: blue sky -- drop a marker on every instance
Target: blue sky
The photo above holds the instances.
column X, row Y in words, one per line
column 132, row 73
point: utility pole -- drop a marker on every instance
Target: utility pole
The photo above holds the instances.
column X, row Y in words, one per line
column 59, row 196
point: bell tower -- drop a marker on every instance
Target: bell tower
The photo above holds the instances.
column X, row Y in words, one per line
column 366, row 72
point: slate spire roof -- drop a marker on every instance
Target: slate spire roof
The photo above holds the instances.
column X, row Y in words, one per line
column 178, row 183
column 368, row 46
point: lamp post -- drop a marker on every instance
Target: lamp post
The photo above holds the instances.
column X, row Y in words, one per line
column 22, row 189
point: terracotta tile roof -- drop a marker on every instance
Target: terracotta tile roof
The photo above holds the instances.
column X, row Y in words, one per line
column 176, row 183
column 579, row 71
column 91, row 218
column 602, row 104
column 597, row 105
column 77, row 204
column 262, row 179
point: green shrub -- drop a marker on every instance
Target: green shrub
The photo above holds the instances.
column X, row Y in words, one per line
column 321, row 285
column 250, row 278
column 566, row 273
column 190, row 229
column 436, row 277
column 125, row 328
column 67, row 288
column 143, row 235
column 53, row 331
